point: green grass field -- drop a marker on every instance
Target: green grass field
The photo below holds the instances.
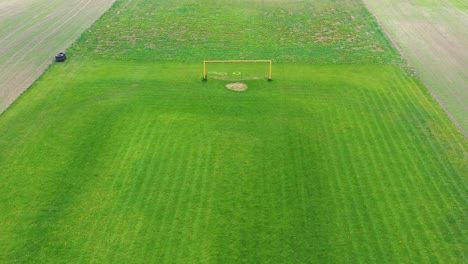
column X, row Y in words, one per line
column 123, row 155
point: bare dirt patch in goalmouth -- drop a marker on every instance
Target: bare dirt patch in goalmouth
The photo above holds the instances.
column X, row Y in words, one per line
column 237, row 86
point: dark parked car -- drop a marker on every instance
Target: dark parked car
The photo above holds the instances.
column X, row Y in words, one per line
column 60, row 57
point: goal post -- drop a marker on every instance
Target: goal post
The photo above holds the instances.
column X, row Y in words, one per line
column 227, row 71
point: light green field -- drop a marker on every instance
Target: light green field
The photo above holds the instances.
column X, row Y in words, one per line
column 113, row 159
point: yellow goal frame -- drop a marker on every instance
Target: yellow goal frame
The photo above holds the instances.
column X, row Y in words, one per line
column 205, row 74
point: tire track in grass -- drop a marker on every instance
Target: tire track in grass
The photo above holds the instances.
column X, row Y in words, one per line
column 284, row 187
column 390, row 155
column 359, row 224
column 381, row 206
column 381, row 157
column 337, row 195
column 267, row 192
column 283, row 181
column 203, row 217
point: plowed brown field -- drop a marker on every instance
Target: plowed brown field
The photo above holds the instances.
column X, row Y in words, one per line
column 32, row 32
column 432, row 36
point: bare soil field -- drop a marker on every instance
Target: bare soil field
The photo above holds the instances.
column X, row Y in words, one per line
column 32, row 32
column 432, row 36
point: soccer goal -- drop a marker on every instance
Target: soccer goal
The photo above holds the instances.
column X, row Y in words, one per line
column 233, row 70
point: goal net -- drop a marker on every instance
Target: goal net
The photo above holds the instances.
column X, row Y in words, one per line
column 236, row 70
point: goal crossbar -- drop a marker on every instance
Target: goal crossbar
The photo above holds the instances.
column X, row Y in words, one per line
column 205, row 74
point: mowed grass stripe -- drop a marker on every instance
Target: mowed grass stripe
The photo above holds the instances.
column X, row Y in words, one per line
column 183, row 200
column 365, row 227
column 429, row 223
column 196, row 206
column 158, row 212
column 105, row 227
column 366, row 140
column 120, row 213
column 173, row 189
column 447, row 144
column 145, row 190
column 341, row 173
column 347, row 201
column 305, row 181
column 386, row 132
column 426, row 170
column 340, row 249
column 353, row 123
column 396, row 169
column 436, row 142
column 166, row 189
column 385, row 161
